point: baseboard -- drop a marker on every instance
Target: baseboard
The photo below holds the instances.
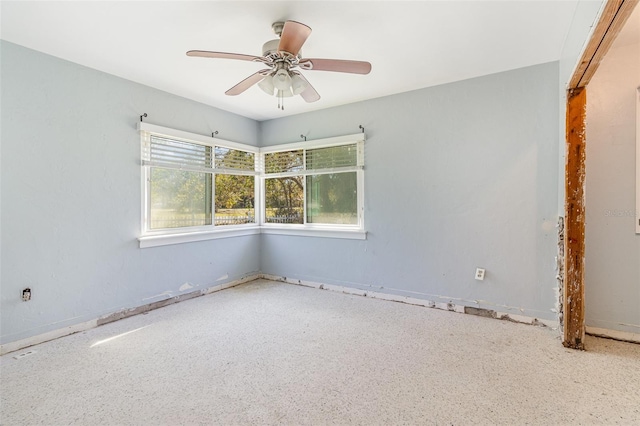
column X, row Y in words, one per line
column 115, row 316
column 462, row 309
column 624, row 336
column 452, row 307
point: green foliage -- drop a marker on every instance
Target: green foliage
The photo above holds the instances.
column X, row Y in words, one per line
column 284, row 196
column 234, row 192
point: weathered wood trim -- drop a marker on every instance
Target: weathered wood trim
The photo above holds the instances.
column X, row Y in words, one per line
column 612, row 19
column 560, row 269
column 573, row 301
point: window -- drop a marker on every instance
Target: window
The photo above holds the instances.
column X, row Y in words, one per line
column 235, row 191
column 195, row 184
column 284, row 187
column 197, row 188
column 318, row 184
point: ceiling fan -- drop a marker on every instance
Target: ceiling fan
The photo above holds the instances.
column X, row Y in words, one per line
column 282, row 79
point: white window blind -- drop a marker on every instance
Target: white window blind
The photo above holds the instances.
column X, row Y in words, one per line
column 163, row 152
column 333, row 157
column 284, row 161
column 171, row 153
column 317, row 160
column 233, row 159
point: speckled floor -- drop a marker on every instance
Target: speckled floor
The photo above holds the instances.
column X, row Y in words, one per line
column 272, row 353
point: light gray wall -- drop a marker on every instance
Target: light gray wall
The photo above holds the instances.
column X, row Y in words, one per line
column 612, row 258
column 458, row 176
column 71, row 196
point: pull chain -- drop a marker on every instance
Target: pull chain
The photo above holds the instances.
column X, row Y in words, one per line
column 280, row 96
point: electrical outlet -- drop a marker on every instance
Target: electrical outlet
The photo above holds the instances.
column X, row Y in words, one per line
column 26, row 294
column 22, row 355
column 480, row 274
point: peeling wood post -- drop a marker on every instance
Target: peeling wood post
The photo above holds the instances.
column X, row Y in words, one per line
column 574, row 220
column 560, row 269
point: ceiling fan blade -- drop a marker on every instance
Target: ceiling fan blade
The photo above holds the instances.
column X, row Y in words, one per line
column 247, row 82
column 293, row 36
column 309, row 94
column 223, row 55
column 336, row 65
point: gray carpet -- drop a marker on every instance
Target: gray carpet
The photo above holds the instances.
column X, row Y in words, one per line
column 272, row 353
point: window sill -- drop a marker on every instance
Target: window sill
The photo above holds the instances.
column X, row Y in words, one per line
column 350, row 234
column 188, row 237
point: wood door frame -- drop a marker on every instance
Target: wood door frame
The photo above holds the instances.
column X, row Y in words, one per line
column 613, row 17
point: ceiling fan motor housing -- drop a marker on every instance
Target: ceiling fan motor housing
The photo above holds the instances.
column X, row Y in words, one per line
column 271, row 48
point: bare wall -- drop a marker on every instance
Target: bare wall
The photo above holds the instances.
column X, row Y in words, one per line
column 71, row 196
column 458, row 176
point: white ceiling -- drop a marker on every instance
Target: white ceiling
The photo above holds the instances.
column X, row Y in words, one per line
column 410, row 45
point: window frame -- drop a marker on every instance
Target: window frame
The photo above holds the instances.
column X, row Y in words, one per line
column 166, row 236
column 315, row 229
column 151, row 237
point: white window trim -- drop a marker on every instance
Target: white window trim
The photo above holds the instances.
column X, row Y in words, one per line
column 306, row 229
column 155, row 238
column 191, row 236
column 355, row 234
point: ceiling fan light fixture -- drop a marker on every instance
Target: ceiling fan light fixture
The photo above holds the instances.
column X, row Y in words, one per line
column 282, row 80
column 283, row 57
column 267, row 85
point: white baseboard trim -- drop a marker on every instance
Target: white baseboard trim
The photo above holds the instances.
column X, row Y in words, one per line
column 420, row 302
column 625, row 336
column 114, row 316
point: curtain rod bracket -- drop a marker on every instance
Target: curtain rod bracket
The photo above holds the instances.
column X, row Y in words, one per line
column 213, row 134
column 143, row 115
column 360, row 126
column 303, row 137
